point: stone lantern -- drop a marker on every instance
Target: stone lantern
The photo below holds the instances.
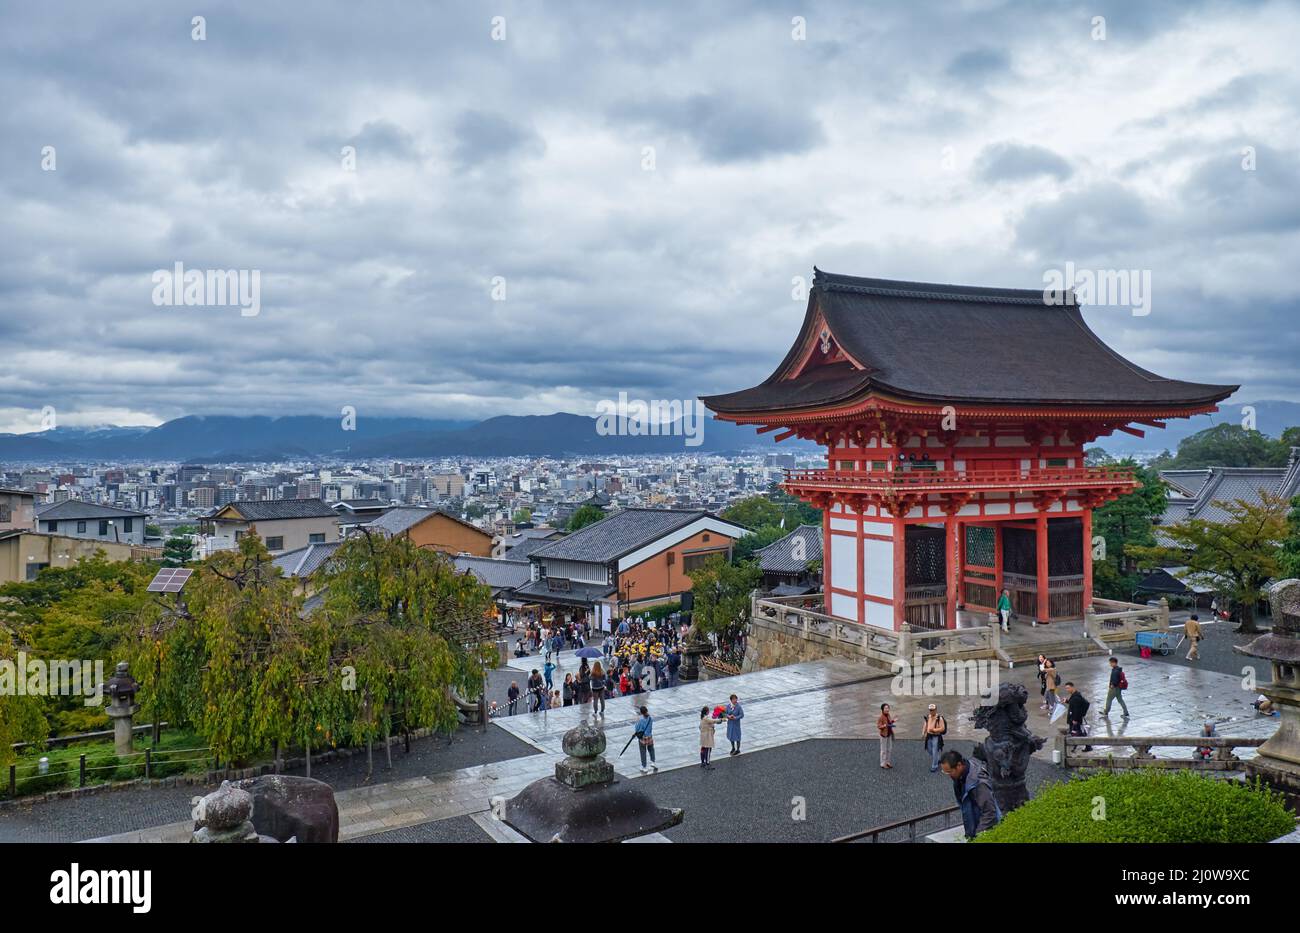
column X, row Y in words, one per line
column 1278, row 763
column 585, row 802
column 121, row 690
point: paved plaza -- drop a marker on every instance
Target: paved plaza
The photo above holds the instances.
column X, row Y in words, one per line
column 809, row 731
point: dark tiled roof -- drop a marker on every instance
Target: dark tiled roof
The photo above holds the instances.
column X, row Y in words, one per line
column 304, row 561
column 398, row 520
column 958, row 343
column 619, row 534
column 521, row 550
column 1224, row 485
column 577, row 594
column 266, row 510
column 74, row 510
column 498, row 574
column 778, row 557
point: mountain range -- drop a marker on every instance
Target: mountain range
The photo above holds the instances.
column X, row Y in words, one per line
column 252, row 438
column 235, row 438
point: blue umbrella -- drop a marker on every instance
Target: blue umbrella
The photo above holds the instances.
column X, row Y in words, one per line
column 589, row 653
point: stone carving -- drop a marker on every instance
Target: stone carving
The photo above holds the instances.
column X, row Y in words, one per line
column 1009, row 745
column 270, row 808
column 287, row 808
column 224, row 816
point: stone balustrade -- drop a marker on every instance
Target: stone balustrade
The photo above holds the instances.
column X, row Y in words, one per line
column 1222, row 758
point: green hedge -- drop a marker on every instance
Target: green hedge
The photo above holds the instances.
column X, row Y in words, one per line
column 1146, row 806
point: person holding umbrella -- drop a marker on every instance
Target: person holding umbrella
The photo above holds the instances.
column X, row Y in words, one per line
column 644, row 735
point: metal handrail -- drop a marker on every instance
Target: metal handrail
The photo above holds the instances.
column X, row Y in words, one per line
column 909, row 824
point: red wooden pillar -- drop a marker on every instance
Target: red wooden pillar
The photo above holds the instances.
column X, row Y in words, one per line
column 1087, row 558
column 900, row 574
column 997, row 561
column 952, row 552
column 1044, row 596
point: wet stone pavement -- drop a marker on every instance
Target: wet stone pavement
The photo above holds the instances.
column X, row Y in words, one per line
column 832, row 703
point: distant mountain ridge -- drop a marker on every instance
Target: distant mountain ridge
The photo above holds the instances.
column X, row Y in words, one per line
column 248, row 438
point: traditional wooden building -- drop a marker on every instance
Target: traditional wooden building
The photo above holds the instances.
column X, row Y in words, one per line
column 954, row 420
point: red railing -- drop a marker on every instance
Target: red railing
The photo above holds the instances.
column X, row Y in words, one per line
column 940, row 480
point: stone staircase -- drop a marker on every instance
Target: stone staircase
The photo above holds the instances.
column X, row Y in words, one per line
column 1060, row 649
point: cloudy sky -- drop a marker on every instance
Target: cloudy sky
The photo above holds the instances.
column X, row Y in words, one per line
column 644, row 179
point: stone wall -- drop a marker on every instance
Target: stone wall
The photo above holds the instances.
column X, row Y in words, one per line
column 774, row 644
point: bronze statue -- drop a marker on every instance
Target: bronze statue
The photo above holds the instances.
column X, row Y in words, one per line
column 1009, row 744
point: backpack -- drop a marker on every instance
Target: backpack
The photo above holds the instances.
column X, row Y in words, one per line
column 1123, row 680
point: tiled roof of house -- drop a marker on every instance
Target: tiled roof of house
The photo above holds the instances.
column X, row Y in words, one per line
column 266, row 510
column 621, row 533
column 498, row 574
column 304, row 561
column 75, row 510
column 398, row 520
column 779, row 556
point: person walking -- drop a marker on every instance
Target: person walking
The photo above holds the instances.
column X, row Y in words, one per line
column 582, row 683
column 646, row 740
column 1115, row 691
column 597, row 690
column 1051, row 680
column 936, row 727
column 513, row 696
column 974, row 792
column 735, row 713
column 1076, row 708
column 1192, row 629
column 885, row 723
column 548, row 671
column 568, row 690
column 535, row 687
column 707, row 726
column 1004, row 609
column 674, row 662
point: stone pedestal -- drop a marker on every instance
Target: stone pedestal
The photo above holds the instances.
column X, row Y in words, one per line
column 585, row 802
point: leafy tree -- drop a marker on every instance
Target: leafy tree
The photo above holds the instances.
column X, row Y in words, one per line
column 475, row 510
column 1288, row 557
column 584, row 516
column 71, row 613
column 414, row 630
column 722, row 592
column 1126, row 522
column 796, row 512
column 522, row 515
column 749, row 544
column 1228, row 445
column 177, row 551
column 152, row 531
column 754, row 513
column 1238, row 555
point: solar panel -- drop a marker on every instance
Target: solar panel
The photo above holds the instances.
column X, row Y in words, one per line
column 169, row 580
